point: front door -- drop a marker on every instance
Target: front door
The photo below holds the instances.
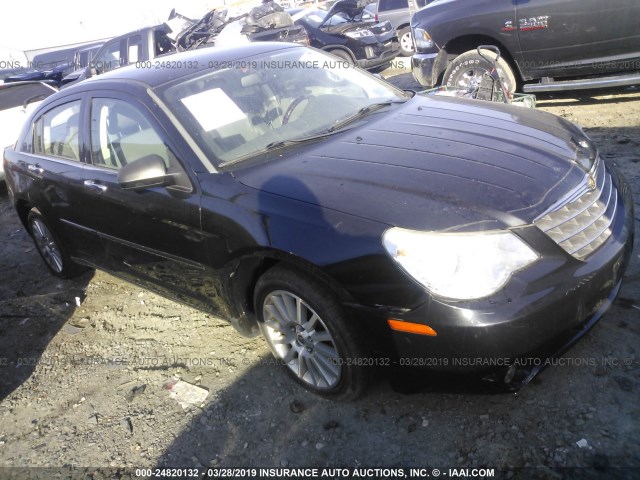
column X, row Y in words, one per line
column 152, row 235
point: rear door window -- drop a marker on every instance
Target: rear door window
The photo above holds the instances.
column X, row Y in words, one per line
column 56, row 132
column 393, row 5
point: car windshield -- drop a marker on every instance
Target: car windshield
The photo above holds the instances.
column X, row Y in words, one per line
column 267, row 101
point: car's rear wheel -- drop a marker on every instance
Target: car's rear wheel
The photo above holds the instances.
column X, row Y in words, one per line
column 467, row 70
column 307, row 331
column 406, row 42
column 50, row 248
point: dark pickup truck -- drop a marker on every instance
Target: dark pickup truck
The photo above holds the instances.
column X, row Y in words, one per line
column 546, row 45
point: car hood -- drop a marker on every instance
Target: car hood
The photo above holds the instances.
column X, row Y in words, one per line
column 434, row 163
column 350, row 8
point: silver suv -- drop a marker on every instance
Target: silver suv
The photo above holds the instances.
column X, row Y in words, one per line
column 399, row 13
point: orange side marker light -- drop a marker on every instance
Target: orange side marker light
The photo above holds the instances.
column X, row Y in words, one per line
column 410, row 327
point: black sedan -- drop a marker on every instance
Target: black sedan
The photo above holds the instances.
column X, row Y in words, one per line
column 351, row 223
column 346, row 31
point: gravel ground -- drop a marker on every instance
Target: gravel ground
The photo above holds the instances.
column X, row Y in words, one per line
column 87, row 367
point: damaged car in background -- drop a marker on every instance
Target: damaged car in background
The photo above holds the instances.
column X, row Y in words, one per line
column 349, row 32
column 268, row 22
column 351, row 223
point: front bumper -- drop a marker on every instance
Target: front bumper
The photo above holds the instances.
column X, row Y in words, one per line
column 541, row 312
column 427, row 67
column 383, row 53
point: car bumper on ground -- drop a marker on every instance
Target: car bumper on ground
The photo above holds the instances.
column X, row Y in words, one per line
column 542, row 311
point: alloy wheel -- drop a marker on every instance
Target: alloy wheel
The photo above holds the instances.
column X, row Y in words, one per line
column 47, row 245
column 470, row 80
column 300, row 339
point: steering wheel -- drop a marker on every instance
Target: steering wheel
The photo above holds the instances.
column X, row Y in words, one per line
column 292, row 106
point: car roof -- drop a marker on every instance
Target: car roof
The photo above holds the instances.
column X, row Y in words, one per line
column 167, row 68
column 87, row 49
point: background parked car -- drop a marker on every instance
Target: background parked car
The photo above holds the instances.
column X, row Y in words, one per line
column 545, row 45
column 348, row 31
column 17, row 101
column 399, row 13
column 137, row 46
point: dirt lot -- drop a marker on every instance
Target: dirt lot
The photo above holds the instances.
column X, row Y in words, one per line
column 84, row 366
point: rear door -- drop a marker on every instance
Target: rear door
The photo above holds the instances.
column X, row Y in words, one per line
column 561, row 38
column 53, row 168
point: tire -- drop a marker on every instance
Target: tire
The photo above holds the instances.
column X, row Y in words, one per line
column 306, row 329
column 50, row 248
column 406, row 42
column 469, row 68
column 342, row 55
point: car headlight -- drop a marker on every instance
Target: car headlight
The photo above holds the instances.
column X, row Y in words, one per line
column 422, row 39
column 460, row 266
column 359, row 34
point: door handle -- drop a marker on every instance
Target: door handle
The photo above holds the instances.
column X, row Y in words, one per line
column 37, row 169
column 93, row 185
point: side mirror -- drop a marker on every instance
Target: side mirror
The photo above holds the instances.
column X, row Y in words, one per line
column 149, row 171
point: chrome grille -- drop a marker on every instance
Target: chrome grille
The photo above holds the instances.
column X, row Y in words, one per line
column 583, row 224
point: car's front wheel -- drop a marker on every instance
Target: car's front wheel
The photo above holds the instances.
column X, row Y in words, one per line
column 50, row 248
column 307, row 331
column 342, row 55
column 467, row 70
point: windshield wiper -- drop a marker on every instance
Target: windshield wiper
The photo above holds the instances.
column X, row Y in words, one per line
column 275, row 146
column 363, row 112
column 294, row 141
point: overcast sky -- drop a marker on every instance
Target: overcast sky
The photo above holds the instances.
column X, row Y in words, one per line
column 35, row 24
